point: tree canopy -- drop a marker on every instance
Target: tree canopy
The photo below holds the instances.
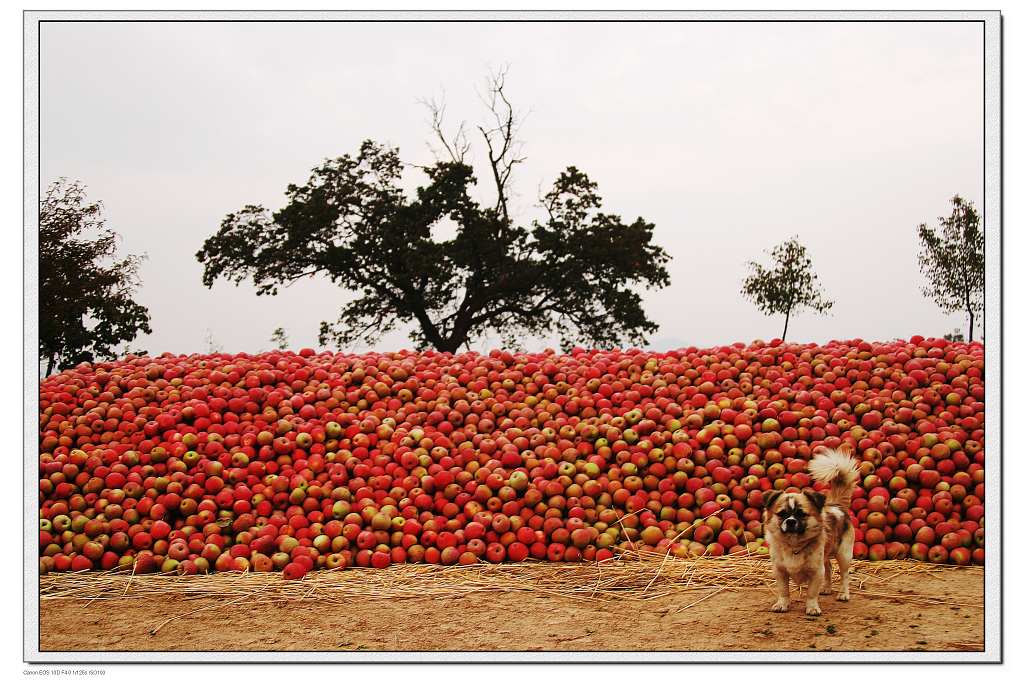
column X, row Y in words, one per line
column 86, row 304
column 952, row 259
column 578, row 272
column 787, row 286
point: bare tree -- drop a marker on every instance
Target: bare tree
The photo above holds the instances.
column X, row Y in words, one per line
column 455, row 146
column 500, row 135
column 212, row 345
column 501, row 138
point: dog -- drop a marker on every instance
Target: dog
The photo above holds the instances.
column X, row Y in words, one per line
column 806, row 530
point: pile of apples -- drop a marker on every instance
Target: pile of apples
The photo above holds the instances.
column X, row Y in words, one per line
column 290, row 462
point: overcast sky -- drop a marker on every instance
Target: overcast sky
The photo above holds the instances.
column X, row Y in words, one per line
column 729, row 137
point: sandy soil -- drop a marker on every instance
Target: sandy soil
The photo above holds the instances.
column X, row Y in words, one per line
column 712, row 619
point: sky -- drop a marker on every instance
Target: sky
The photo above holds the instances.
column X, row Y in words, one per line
column 729, row 137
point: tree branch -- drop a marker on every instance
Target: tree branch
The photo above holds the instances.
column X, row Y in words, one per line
column 500, row 140
column 458, row 146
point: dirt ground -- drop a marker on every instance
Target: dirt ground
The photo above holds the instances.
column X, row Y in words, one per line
column 900, row 611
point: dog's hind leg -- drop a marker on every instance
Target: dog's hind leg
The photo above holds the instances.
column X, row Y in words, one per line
column 826, row 582
column 781, row 590
column 845, row 557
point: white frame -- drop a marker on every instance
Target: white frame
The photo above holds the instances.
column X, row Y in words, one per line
column 991, row 212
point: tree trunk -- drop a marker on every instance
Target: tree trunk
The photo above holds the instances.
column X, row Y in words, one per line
column 459, row 336
column 49, row 365
column 970, row 318
column 452, row 343
column 430, row 333
column 785, row 327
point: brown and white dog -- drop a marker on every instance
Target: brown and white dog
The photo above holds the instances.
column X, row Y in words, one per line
column 806, row 530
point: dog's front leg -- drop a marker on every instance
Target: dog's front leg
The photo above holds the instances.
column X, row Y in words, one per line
column 826, row 583
column 813, row 590
column 781, row 590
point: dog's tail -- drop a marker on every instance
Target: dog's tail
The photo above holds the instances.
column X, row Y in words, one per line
column 837, row 469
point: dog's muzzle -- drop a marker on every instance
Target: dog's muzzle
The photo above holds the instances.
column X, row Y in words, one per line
column 792, row 525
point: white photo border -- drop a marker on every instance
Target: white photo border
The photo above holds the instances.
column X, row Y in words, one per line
column 993, row 323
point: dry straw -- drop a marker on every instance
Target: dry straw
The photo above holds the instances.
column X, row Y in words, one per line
column 633, row 576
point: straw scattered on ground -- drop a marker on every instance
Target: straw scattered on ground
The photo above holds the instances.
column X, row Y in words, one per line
column 648, row 603
column 616, row 579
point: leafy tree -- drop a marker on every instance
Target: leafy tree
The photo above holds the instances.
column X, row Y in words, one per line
column 86, row 295
column 579, row 271
column 955, row 336
column 279, row 339
column 787, row 286
column 953, row 261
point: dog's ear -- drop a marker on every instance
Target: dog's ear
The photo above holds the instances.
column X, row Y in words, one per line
column 770, row 497
column 818, row 499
